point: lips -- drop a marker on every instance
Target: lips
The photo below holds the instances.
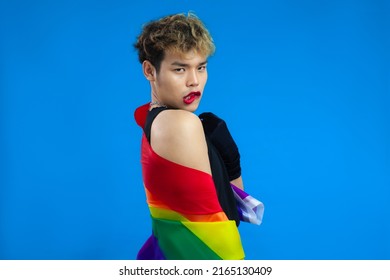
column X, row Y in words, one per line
column 189, row 98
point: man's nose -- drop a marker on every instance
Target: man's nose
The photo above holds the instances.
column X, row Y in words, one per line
column 193, row 80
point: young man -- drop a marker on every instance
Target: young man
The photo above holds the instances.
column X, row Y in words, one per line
column 190, row 164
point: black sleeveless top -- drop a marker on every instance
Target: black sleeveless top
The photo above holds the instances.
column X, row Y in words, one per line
column 218, row 170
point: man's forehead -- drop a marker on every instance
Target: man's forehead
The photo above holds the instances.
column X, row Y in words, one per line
column 186, row 57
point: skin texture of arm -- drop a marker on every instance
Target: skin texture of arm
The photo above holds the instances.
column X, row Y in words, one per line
column 178, row 136
column 238, row 183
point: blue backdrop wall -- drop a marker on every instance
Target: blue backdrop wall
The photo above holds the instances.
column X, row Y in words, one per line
column 303, row 85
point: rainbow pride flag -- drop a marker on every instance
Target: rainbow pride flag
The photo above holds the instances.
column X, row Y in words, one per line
column 188, row 222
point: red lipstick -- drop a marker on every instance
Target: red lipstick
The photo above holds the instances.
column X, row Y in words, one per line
column 189, row 98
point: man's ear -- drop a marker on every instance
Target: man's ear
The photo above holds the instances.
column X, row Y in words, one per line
column 149, row 70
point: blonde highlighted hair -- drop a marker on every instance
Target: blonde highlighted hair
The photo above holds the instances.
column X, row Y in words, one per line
column 176, row 33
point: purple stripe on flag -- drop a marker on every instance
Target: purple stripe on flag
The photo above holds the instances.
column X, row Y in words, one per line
column 249, row 209
column 150, row 250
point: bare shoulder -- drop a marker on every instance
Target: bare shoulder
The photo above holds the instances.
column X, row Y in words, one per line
column 178, row 136
column 177, row 121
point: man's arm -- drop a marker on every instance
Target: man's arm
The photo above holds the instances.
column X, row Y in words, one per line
column 238, row 183
column 216, row 129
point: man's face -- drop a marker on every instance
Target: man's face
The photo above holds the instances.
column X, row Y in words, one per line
column 181, row 80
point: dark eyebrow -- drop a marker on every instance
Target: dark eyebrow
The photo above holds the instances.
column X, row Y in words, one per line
column 176, row 63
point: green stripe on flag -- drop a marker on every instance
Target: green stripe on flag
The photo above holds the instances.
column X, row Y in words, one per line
column 179, row 243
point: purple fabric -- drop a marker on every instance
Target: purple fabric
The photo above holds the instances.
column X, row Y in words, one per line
column 249, row 209
column 239, row 191
column 150, row 250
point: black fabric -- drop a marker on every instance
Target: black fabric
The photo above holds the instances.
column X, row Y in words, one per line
column 218, row 170
column 149, row 120
column 218, row 132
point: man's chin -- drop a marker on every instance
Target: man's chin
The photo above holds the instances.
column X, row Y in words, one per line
column 192, row 108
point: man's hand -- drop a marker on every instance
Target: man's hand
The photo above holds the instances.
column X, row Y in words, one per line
column 216, row 130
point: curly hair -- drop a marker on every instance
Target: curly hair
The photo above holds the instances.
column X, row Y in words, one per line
column 177, row 33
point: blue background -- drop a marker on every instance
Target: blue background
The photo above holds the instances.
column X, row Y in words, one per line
column 303, row 85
